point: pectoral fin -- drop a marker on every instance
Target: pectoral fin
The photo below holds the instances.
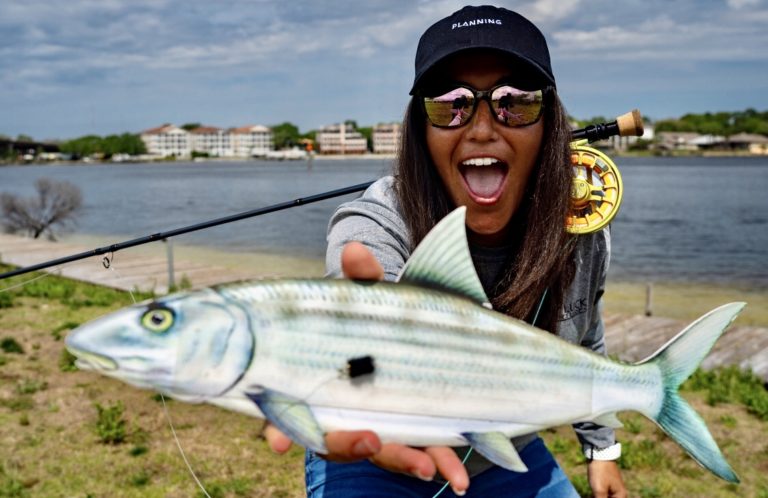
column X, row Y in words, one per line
column 292, row 416
column 497, row 448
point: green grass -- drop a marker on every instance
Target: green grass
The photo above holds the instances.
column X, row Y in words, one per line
column 110, row 424
column 50, row 444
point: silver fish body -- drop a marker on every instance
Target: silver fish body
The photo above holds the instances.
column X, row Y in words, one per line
column 437, row 356
column 441, row 369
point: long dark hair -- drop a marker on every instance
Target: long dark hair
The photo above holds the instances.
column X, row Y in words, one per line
column 541, row 257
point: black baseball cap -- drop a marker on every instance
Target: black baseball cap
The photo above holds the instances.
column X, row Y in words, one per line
column 484, row 27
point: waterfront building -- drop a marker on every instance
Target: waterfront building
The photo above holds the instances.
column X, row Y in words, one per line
column 386, row 138
column 212, row 141
column 341, row 139
column 677, row 140
column 167, row 140
column 749, row 142
column 252, row 141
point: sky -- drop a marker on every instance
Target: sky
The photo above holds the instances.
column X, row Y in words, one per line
column 76, row 67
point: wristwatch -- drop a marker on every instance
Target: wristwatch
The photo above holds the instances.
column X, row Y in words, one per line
column 612, row 452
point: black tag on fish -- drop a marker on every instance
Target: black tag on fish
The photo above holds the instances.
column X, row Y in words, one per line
column 357, row 367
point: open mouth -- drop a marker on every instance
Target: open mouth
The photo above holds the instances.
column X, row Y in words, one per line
column 92, row 361
column 484, row 178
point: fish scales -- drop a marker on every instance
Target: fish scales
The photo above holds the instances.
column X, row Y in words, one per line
column 440, row 344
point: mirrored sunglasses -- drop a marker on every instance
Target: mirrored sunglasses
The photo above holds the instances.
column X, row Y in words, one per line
column 510, row 106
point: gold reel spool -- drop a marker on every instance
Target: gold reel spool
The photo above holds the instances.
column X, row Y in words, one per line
column 596, row 191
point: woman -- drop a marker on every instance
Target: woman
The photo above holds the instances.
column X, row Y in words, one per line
column 484, row 129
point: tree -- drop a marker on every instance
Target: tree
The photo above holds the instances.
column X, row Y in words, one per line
column 367, row 132
column 56, row 206
column 190, row 126
column 285, row 135
column 127, row 143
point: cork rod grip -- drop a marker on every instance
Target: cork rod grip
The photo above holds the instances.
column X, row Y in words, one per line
column 630, row 124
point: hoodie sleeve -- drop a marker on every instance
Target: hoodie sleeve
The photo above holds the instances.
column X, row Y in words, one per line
column 592, row 435
column 374, row 220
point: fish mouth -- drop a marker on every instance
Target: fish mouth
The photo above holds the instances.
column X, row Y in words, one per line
column 92, row 361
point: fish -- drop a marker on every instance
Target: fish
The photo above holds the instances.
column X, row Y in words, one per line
column 421, row 361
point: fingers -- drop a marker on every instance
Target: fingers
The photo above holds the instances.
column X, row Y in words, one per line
column 278, row 442
column 406, row 460
column 357, row 262
column 349, row 446
column 450, row 467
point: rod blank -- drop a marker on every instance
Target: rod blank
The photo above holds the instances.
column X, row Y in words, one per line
column 187, row 229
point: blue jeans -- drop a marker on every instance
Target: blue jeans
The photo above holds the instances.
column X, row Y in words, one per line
column 544, row 479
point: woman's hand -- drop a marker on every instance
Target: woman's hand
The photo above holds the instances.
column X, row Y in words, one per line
column 358, row 263
column 605, row 479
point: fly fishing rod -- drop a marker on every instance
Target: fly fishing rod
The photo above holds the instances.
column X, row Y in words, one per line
column 598, row 192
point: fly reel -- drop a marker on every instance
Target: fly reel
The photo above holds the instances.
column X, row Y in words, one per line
column 597, row 190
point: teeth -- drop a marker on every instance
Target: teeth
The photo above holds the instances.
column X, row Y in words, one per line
column 480, row 161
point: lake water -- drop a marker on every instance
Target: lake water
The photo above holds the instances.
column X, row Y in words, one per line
column 688, row 219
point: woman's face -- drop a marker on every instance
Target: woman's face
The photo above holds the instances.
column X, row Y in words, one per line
column 484, row 164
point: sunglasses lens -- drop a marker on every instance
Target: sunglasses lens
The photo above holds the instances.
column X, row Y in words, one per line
column 450, row 109
column 515, row 107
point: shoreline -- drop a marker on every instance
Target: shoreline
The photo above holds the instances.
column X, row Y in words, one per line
column 371, row 156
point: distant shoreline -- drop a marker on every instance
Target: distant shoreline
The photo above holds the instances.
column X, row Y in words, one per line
column 366, row 157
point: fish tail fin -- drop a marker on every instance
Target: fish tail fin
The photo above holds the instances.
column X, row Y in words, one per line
column 677, row 360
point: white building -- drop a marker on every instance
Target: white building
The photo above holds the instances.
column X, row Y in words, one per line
column 167, row 140
column 341, row 139
column 252, row 141
column 213, row 141
column 386, row 138
column 246, row 141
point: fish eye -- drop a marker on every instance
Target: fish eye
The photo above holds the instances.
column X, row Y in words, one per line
column 157, row 320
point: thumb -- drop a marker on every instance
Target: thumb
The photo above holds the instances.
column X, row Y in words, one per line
column 359, row 263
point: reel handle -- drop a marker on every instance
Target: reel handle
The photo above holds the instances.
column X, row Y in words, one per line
column 626, row 125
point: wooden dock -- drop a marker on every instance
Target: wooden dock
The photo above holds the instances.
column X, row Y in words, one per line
column 632, row 338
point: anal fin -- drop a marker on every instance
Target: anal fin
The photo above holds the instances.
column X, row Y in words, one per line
column 292, row 416
column 497, row 448
column 608, row 420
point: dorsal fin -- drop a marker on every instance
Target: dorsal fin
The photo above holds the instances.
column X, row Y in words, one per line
column 442, row 260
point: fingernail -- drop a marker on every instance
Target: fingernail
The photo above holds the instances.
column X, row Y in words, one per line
column 423, row 477
column 457, row 492
column 363, row 448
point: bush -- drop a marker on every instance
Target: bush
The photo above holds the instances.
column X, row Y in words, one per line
column 56, row 206
column 6, row 300
column 65, row 327
column 9, row 345
column 110, row 424
column 67, row 361
column 732, row 385
column 31, row 386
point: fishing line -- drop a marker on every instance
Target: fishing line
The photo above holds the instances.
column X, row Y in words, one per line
column 108, row 263
column 469, row 451
column 21, row 284
column 181, row 450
